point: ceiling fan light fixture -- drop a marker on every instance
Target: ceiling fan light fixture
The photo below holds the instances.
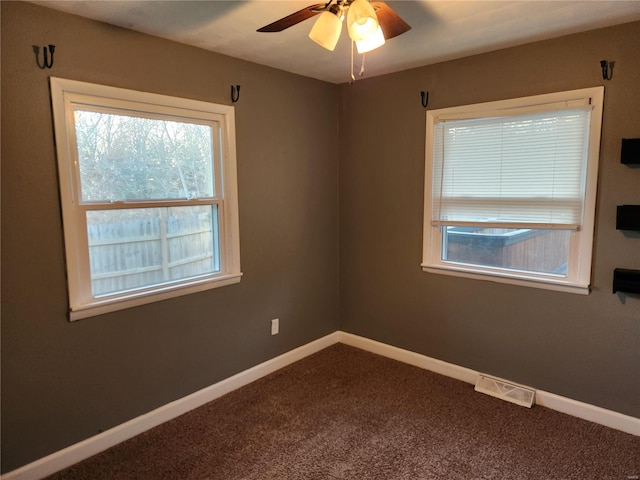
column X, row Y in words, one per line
column 326, row 30
column 362, row 21
column 371, row 42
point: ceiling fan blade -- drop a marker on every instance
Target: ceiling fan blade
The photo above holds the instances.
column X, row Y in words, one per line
column 294, row 18
column 392, row 25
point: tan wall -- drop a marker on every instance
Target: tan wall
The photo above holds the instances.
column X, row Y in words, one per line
column 582, row 347
column 63, row 382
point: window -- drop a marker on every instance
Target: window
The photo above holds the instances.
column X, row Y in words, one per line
column 510, row 189
column 149, row 195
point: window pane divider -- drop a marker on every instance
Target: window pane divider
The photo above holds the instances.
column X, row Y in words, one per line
column 148, row 204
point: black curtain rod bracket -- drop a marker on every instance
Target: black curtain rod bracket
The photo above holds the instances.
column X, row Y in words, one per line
column 235, row 93
column 424, row 97
column 47, row 62
column 607, row 69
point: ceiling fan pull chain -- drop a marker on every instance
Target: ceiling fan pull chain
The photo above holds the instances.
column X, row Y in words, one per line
column 353, row 78
column 362, row 66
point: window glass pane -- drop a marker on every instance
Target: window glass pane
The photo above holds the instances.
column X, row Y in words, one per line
column 138, row 248
column 532, row 250
column 130, row 158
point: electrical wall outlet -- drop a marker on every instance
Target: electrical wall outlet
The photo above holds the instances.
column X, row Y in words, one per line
column 275, row 326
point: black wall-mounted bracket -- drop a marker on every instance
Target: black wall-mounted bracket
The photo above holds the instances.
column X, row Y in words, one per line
column 47, row 62
column 628, row 217
column 630, row 151
column 625, row 280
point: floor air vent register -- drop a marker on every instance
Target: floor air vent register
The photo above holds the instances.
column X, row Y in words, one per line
column 504, row 390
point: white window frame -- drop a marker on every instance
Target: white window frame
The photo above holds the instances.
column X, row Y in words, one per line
column 66, row 95
column 578, row 275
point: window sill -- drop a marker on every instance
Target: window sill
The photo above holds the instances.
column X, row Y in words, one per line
column 511, row 279
column 107, row 305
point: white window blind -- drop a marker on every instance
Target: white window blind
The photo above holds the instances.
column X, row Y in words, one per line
column 516, row 170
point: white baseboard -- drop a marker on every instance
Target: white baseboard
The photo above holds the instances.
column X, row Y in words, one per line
column 412, row 358
column 586, row 411
column 91, row 446
column 582, row 410
column 98, row 443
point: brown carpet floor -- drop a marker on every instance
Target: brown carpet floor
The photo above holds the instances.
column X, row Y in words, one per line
column 347, row 414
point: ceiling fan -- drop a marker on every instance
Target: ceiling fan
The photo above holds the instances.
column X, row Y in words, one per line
column 369, row 23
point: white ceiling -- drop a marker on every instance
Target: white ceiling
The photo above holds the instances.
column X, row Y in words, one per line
column 441, row 29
